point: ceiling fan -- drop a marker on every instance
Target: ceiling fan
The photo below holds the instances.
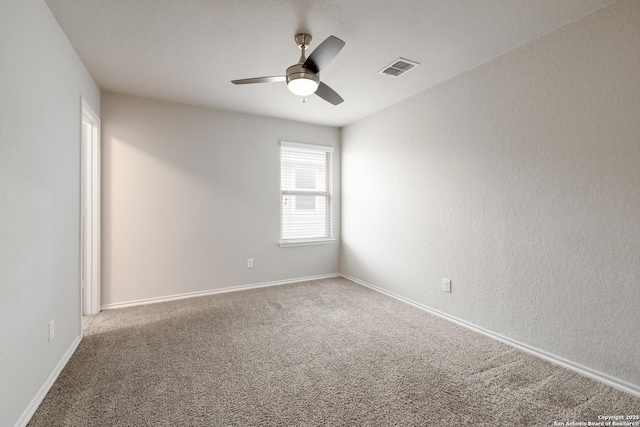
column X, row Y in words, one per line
column 303, row 78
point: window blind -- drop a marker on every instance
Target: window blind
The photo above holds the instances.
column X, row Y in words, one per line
column 305, row 172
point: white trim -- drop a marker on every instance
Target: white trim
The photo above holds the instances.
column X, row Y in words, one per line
column 325, row 148
column 91, row 303
column 591, row 373
column 305, row 192
column 39, row 397
column 214, row 291
column 291, row 243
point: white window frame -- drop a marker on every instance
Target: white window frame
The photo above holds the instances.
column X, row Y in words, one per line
column 329, row 194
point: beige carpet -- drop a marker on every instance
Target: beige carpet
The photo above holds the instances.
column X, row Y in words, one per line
column 326, row 352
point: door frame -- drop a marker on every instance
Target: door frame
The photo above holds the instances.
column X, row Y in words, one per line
column 90, row 206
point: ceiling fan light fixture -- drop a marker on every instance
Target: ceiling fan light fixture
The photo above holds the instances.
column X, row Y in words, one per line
column 302, row 86
column 301, row 81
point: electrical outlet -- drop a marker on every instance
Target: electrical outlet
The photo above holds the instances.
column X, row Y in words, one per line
column 249, row 262
column 446, row 285
column 52, row 329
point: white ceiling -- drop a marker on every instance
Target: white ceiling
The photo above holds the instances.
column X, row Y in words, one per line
column 188, row 51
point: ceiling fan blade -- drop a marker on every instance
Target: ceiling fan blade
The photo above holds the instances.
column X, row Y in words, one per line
column 328, row 94
column 272, row 79
column 324, row 53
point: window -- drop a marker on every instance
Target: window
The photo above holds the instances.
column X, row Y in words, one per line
column 305, row 187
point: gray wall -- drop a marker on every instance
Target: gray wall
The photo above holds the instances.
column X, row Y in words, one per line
column 519, row 181
column 41, row 81
column 190, row 193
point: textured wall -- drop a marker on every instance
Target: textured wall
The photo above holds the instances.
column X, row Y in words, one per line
column 41, row 81
column 190, row 193
column 519, row 181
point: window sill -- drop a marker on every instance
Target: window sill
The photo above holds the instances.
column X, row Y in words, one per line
column 290, row 243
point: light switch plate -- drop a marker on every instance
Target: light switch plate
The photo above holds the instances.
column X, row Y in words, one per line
column 446, row 285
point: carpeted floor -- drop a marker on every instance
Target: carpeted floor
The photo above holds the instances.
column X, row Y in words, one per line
column 326, row 352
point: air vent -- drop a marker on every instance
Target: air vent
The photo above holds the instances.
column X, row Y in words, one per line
column 398, row 67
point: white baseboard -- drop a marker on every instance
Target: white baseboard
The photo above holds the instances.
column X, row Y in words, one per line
column 39, row 397
column 214, row 291
column 591, row 373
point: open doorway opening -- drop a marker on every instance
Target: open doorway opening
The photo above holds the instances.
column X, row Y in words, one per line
column 90, row 215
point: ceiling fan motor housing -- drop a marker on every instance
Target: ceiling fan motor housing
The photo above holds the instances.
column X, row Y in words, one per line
column 299, row 72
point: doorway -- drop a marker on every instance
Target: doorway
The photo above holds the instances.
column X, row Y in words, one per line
column 90, row 212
